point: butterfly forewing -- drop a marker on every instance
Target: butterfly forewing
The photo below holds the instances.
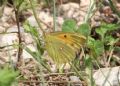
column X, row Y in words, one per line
column 75, row 40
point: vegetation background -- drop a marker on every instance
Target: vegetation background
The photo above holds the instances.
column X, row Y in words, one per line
column 23, row 57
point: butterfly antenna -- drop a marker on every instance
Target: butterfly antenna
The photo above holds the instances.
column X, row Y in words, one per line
column 36, row 17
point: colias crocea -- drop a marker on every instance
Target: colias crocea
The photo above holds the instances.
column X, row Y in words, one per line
column 63, row 46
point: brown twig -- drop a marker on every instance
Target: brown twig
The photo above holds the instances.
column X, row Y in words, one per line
column 51, row 28
column 19, row 33
column 54, row 82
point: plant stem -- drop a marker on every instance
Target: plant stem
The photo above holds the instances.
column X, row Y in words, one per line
column 54, row 14
column 77, row 72
column 36, row 18
column 19, row 34
column 106, row 77
column 90, row 10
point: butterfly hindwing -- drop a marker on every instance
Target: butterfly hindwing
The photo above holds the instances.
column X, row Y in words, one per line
column 59, row 51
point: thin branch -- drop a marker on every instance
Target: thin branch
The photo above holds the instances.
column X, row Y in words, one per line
column 36, row 18
column 54, row 14
column 54, row 82
column 19, row 35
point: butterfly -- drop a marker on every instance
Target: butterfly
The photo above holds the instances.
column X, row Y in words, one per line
column 62, row 47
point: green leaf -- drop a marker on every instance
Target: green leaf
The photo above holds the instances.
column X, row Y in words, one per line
column 109, row 40
column 69, row 26
column 90, row 41
column 106, row 27
column 84, row 29
column 88, row 61
column 31, row 29
column 101, row 31
column 8, row 76
column 96, row 47
column 110, row 27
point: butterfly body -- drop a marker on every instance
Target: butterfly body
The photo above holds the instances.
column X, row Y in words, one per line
column 63, row 46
